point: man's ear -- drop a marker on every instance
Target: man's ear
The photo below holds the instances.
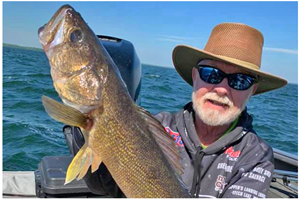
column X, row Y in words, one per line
column 254, row 88
column 194, row 73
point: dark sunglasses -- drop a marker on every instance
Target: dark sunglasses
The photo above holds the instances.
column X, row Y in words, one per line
column 236, row 81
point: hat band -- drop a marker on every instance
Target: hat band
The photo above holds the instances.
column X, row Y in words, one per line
column 240, row 62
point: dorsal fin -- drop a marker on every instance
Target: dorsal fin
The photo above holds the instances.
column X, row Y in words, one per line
column 163, row 139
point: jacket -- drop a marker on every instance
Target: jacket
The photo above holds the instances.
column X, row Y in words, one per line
column 240, row 164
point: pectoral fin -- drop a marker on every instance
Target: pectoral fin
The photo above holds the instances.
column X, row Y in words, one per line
column 85, row 156
column 81, row 163
column 65, row 114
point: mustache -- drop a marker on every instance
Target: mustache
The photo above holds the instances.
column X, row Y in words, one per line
column 219, row 99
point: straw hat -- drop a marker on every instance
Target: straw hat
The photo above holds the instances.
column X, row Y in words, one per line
column 234, row 43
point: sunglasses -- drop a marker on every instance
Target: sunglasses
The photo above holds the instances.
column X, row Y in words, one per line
column 237, row 81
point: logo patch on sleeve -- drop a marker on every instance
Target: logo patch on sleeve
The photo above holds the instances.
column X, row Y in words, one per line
column 176, row 136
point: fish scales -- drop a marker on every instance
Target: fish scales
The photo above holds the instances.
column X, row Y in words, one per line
column 127, row 147
column 96, row 99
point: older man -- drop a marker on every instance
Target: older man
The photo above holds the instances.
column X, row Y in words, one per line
column 221, row 154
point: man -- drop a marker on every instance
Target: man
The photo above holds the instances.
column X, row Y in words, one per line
column 220, row 152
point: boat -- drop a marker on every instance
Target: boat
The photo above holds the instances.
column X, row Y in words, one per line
column 48, row 179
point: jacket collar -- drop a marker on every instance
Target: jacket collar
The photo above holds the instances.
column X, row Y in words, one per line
column 185, row 123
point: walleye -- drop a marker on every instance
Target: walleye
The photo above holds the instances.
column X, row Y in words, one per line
column 139, row 154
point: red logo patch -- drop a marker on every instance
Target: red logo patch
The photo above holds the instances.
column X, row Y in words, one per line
column 176, row 136
column 233, row 154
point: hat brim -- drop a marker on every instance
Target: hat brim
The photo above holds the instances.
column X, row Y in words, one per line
column 186, row 57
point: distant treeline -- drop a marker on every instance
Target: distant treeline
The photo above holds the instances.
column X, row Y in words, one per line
column 24, row 47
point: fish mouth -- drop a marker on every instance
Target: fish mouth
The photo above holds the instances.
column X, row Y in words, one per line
column 47, row 32
column 41, row 29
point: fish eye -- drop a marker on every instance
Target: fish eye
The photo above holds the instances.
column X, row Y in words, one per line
column 76, row 36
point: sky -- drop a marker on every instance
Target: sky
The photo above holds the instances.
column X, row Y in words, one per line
column 155, row 28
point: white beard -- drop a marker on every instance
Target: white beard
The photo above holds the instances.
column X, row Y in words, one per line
column 213, row 117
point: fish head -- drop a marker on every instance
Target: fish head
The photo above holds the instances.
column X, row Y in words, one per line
column 72, row 49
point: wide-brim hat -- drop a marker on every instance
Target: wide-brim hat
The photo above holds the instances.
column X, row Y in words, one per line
column 233, row 43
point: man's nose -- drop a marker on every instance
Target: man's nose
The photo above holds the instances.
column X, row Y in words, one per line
column 222, row 88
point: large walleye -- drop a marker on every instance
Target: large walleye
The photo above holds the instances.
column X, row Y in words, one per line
column 140, row 156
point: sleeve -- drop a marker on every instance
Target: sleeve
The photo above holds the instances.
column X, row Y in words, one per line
column 254, row 176
column 165, row 118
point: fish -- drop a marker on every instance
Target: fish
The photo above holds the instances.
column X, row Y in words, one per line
column 140, row 155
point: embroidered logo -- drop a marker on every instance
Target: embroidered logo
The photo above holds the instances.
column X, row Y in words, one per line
column 231, row 154
column 220, row 183
column 176, row 136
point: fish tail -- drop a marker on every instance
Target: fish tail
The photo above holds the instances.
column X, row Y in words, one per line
column 81, row 163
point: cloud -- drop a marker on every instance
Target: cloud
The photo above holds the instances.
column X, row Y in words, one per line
column 281, row 50
column 177, row 39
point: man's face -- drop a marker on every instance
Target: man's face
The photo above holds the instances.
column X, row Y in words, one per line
column 219, row 104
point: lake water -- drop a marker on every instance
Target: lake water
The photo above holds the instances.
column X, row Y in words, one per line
column 30, row 134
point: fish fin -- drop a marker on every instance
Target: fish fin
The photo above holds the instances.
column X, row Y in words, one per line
column 96, row 162
column 163, row 139
column 86, row 165
column 63, row 113
column 79, row 165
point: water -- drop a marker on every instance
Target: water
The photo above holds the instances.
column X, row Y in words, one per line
column 30, row 134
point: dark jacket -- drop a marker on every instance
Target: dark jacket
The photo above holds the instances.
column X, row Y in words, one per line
column 238, row 165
